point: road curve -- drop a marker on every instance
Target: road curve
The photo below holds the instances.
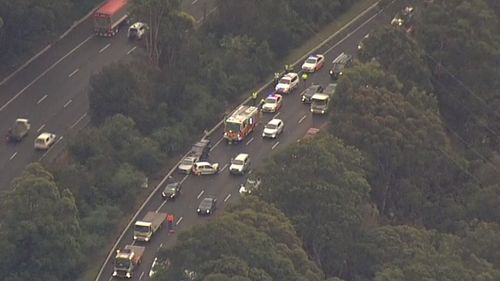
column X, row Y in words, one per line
column 52, row 90
column 225, row 187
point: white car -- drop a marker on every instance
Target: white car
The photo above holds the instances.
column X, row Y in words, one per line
column 186, row 164
column 273, row 128
column 272, row 103
column 205, row 168
column 240, row 164
column 287, row 83
column 313, row 63
column 44, row 141
column 137, row 30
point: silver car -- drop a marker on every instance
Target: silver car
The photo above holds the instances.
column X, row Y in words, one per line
column 205, row 168
column 273, row 128
column 187, row 164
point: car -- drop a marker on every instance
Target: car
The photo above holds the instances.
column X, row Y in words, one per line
column 44, row 141
column 207, row 206
column 313, row 63
column 201, row 149
column 171, row 191
column 240, row 164
column 361, row 43
column 205, row 168
column 186, row 165
column 137, row 30
column 272, row 103
column 403, row 17
column 287, row 83
column 19, row 130
column 339, row 63
column 249, row 186
column 273, row 128
column 307, row 94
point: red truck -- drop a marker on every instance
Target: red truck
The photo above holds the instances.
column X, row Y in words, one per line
column 108, row 17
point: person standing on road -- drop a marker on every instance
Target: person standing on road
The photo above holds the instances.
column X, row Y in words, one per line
column 254, row 98
column 170, row 222
column 305, row 77
column 276, row 77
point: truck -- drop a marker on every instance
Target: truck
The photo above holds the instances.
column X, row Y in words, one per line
column 19, row 130
column 321, row 101
column 126, row 260
column 109, row 17
column 241, row 123
column 145, row 228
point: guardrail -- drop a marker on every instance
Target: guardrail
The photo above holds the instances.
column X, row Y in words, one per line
column 141, row 208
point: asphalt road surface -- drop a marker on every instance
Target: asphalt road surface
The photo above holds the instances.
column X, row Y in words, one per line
column 52, row 91
column 224, row 186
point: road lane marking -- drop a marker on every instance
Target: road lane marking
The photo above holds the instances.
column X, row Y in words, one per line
column 223, row 168
column 45, row 72
column 74, row 72
column 133, row 243
column 131, row 50
column 216, row 144
column 13, row 155
column 275, row 145
column 177, row 223
column 41, row 128
column 201, row 193
column 50, row 148
column 302, row 119
column 104, row 48
column 227, row 197
column 183, row 179
column 194, row 2
column 142, row 274
column 40, row 100
column 251, row 140
column 67, row 103
column 78, row 121
column 276, row 115
column 208, row 14
column 110, row 278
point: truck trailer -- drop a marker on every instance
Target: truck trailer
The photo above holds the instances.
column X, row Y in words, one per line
column 145, row 228
column 126, row 260
column 108, row 17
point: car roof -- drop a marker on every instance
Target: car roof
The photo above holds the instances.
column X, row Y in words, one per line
column 172, row 184
column 290, row 75
column 22, row 120
column 44, row 135
column 274, row 121
column 241, row 156
column 202, row 163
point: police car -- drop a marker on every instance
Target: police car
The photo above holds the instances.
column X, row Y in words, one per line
column 287, row 83
column 272, row 103
column 313, row 63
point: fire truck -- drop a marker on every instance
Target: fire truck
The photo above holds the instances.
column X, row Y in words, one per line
column 241, row 123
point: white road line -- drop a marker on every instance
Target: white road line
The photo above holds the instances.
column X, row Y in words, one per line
column 183, row 179
column 276, row 115
column 133, row 243
column 47, row 152
column 161, row 205
column 142, row 274
column 131, row 50
column 41, row 128
column 78, row 121
column 201, row 193
column 216, row 144
column 227, row 197
column 177, row 223
column 251, row 140
column 194, row 2
column 104, row 48
column 275, row 145
column 67, row 103
column 223, row 168
column 40, row 100
column 110, row 278
column 302, row 119
column 13, row 155
column 74, row 72
column 45, row 72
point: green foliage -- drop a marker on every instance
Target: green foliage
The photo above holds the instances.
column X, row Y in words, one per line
column 41, row 241
column 323, row 194
column 253, row 241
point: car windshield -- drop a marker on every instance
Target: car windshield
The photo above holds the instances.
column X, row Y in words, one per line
column 311, row 60
column 270, row 100
column 170, row 189
column 206, row 203
column 237, row 162
column 338, row 67
column 187, row 161
column 141, row 228
column 271, row 126
column 232, row 127
column 40, row 141
column 319, row 103
column 285, row 81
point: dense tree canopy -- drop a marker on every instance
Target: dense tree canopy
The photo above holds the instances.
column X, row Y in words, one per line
column 41, row 241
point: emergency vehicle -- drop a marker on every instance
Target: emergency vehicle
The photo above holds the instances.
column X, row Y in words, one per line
column 241, row 123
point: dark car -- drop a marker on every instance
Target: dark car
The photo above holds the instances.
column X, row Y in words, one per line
column 201, row 149
column 171, row 191
column 339, row 63
column 307, row 94
column 207, row 206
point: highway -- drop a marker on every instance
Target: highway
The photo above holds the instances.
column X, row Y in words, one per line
column 52, row 90
column 224, row 186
